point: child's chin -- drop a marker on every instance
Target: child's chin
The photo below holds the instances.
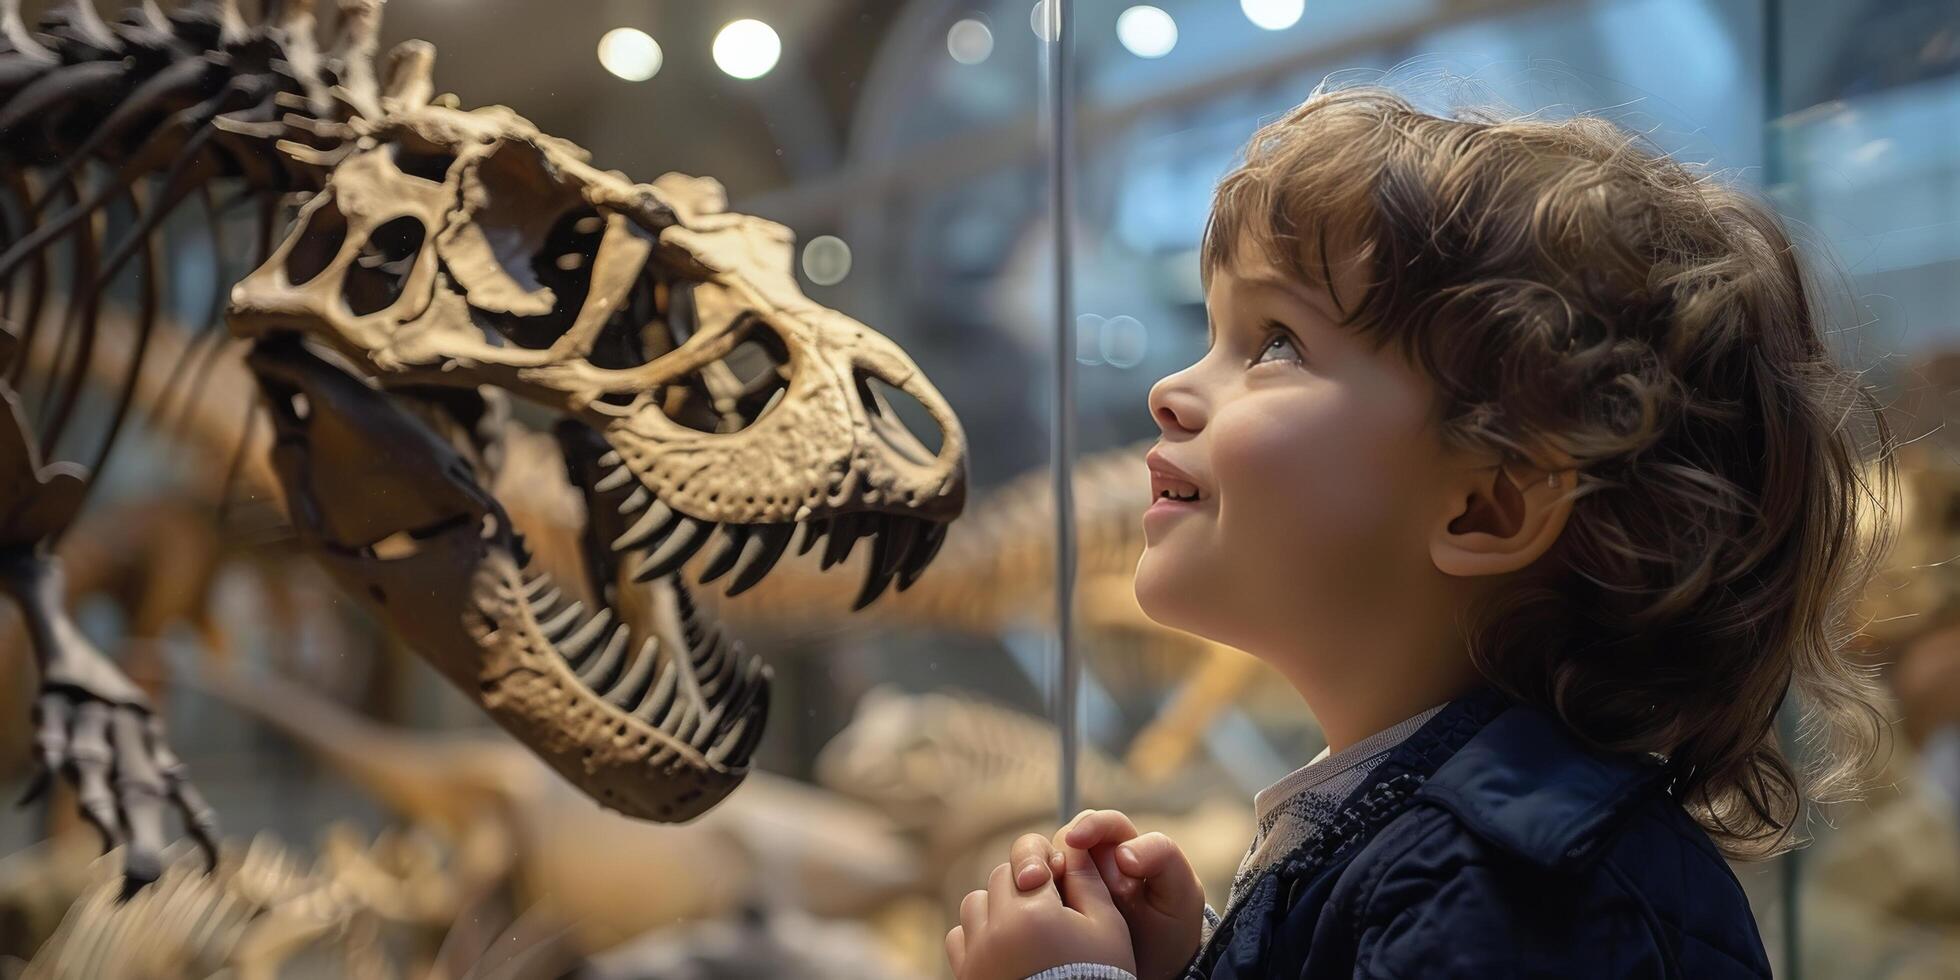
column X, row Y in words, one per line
column 1163, row 594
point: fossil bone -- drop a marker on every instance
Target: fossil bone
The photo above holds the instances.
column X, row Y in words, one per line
column 152, row 112
column 777, row 840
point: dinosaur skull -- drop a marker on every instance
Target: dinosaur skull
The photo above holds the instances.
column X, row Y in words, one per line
column 467, row 248
column 698, row 391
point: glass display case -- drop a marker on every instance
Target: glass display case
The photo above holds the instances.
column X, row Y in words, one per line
column 1014, row 193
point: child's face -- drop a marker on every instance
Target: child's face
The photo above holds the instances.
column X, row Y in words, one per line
column 1318, row 480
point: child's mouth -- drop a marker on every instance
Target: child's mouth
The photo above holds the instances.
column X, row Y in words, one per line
column 1169, row 484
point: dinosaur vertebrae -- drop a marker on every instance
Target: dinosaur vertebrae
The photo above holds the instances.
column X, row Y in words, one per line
column 256, row 911
column 192, row 94
column 148, row 113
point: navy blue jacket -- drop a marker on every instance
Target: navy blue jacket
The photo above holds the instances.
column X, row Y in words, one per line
column 1492, row 844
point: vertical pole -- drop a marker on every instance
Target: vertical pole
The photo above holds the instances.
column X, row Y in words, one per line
column 1058, row 40
column 1791, row 877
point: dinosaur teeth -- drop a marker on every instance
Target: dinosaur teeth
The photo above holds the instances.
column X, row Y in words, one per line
column 535, row 586
column 878, row 572
column 767, row 548
column 599, row 673
column 743, row 713
column 844, row 532
column 661, row 695
column 544, row 604
column 903, row 533
column 577, row 646
column 715, row 654
column 923, row 551
column 812, row 532
column 635, row 500
column 560, row 624
column 681, row 544
column 733, row 536
column 613, row 480
column 633, row 684
column 658, row 520
column 610, row 458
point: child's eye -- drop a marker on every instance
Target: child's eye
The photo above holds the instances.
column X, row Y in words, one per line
column 1279, row 347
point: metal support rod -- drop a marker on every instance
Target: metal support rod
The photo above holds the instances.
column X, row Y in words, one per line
column 1057, row 38
column 1774, row 174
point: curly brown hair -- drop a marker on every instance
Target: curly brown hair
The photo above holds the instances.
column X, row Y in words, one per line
column 1578, row 296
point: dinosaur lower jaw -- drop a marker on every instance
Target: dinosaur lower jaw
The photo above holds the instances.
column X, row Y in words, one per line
column 640, row 700
column 657, row 719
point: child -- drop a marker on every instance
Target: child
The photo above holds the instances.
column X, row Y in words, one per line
column 1519, row 452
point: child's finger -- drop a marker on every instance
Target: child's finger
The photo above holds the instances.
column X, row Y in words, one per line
column 973, row 911
column 1034, row 861
column 1099, row 827
column 1000, row 890
column 1158, row 860
column 956, row 948
column 1151, row 855
column 1122, row 887
column 1083, row 888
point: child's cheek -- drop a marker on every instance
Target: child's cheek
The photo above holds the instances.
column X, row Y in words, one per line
column 1305, row 493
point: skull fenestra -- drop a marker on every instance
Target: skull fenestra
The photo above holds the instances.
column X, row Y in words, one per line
column 457, row 256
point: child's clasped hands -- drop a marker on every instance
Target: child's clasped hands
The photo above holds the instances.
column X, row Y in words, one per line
column 1098, row 892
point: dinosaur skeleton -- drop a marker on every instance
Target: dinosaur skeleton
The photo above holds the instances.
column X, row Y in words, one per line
column 445, row 261
column 272, row 910
column 779, row 843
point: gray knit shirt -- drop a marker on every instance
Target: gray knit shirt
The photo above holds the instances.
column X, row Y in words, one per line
column 1287, row 811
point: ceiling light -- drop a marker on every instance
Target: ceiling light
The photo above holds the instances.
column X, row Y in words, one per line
column 1273, row 15
column 969, row 42
column 747, row 49
column 1146, row 31
column 630, row 54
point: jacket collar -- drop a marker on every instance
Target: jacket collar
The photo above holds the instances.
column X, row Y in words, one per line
column 1526, row 785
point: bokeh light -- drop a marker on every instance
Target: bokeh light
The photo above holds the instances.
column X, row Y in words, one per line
column 747, row 49
column 631, row 54
column 1045, row 21
column 1273, row 15
column 826, row 260
column 969, row 42
column 1146, row 31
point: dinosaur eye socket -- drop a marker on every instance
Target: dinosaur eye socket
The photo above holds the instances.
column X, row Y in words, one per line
column 732, row 393
column 562, row 262
column 425, row 160
column 374, row 281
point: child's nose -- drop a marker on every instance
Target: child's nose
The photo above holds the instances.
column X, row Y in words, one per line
column 1176, row 408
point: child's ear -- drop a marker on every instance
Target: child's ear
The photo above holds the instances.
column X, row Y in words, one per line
column 1501, row 518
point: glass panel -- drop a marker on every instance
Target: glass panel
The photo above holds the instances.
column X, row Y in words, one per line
column 905, row 745
column 1843, row 114
column 911, row 148
column 1866, row 157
